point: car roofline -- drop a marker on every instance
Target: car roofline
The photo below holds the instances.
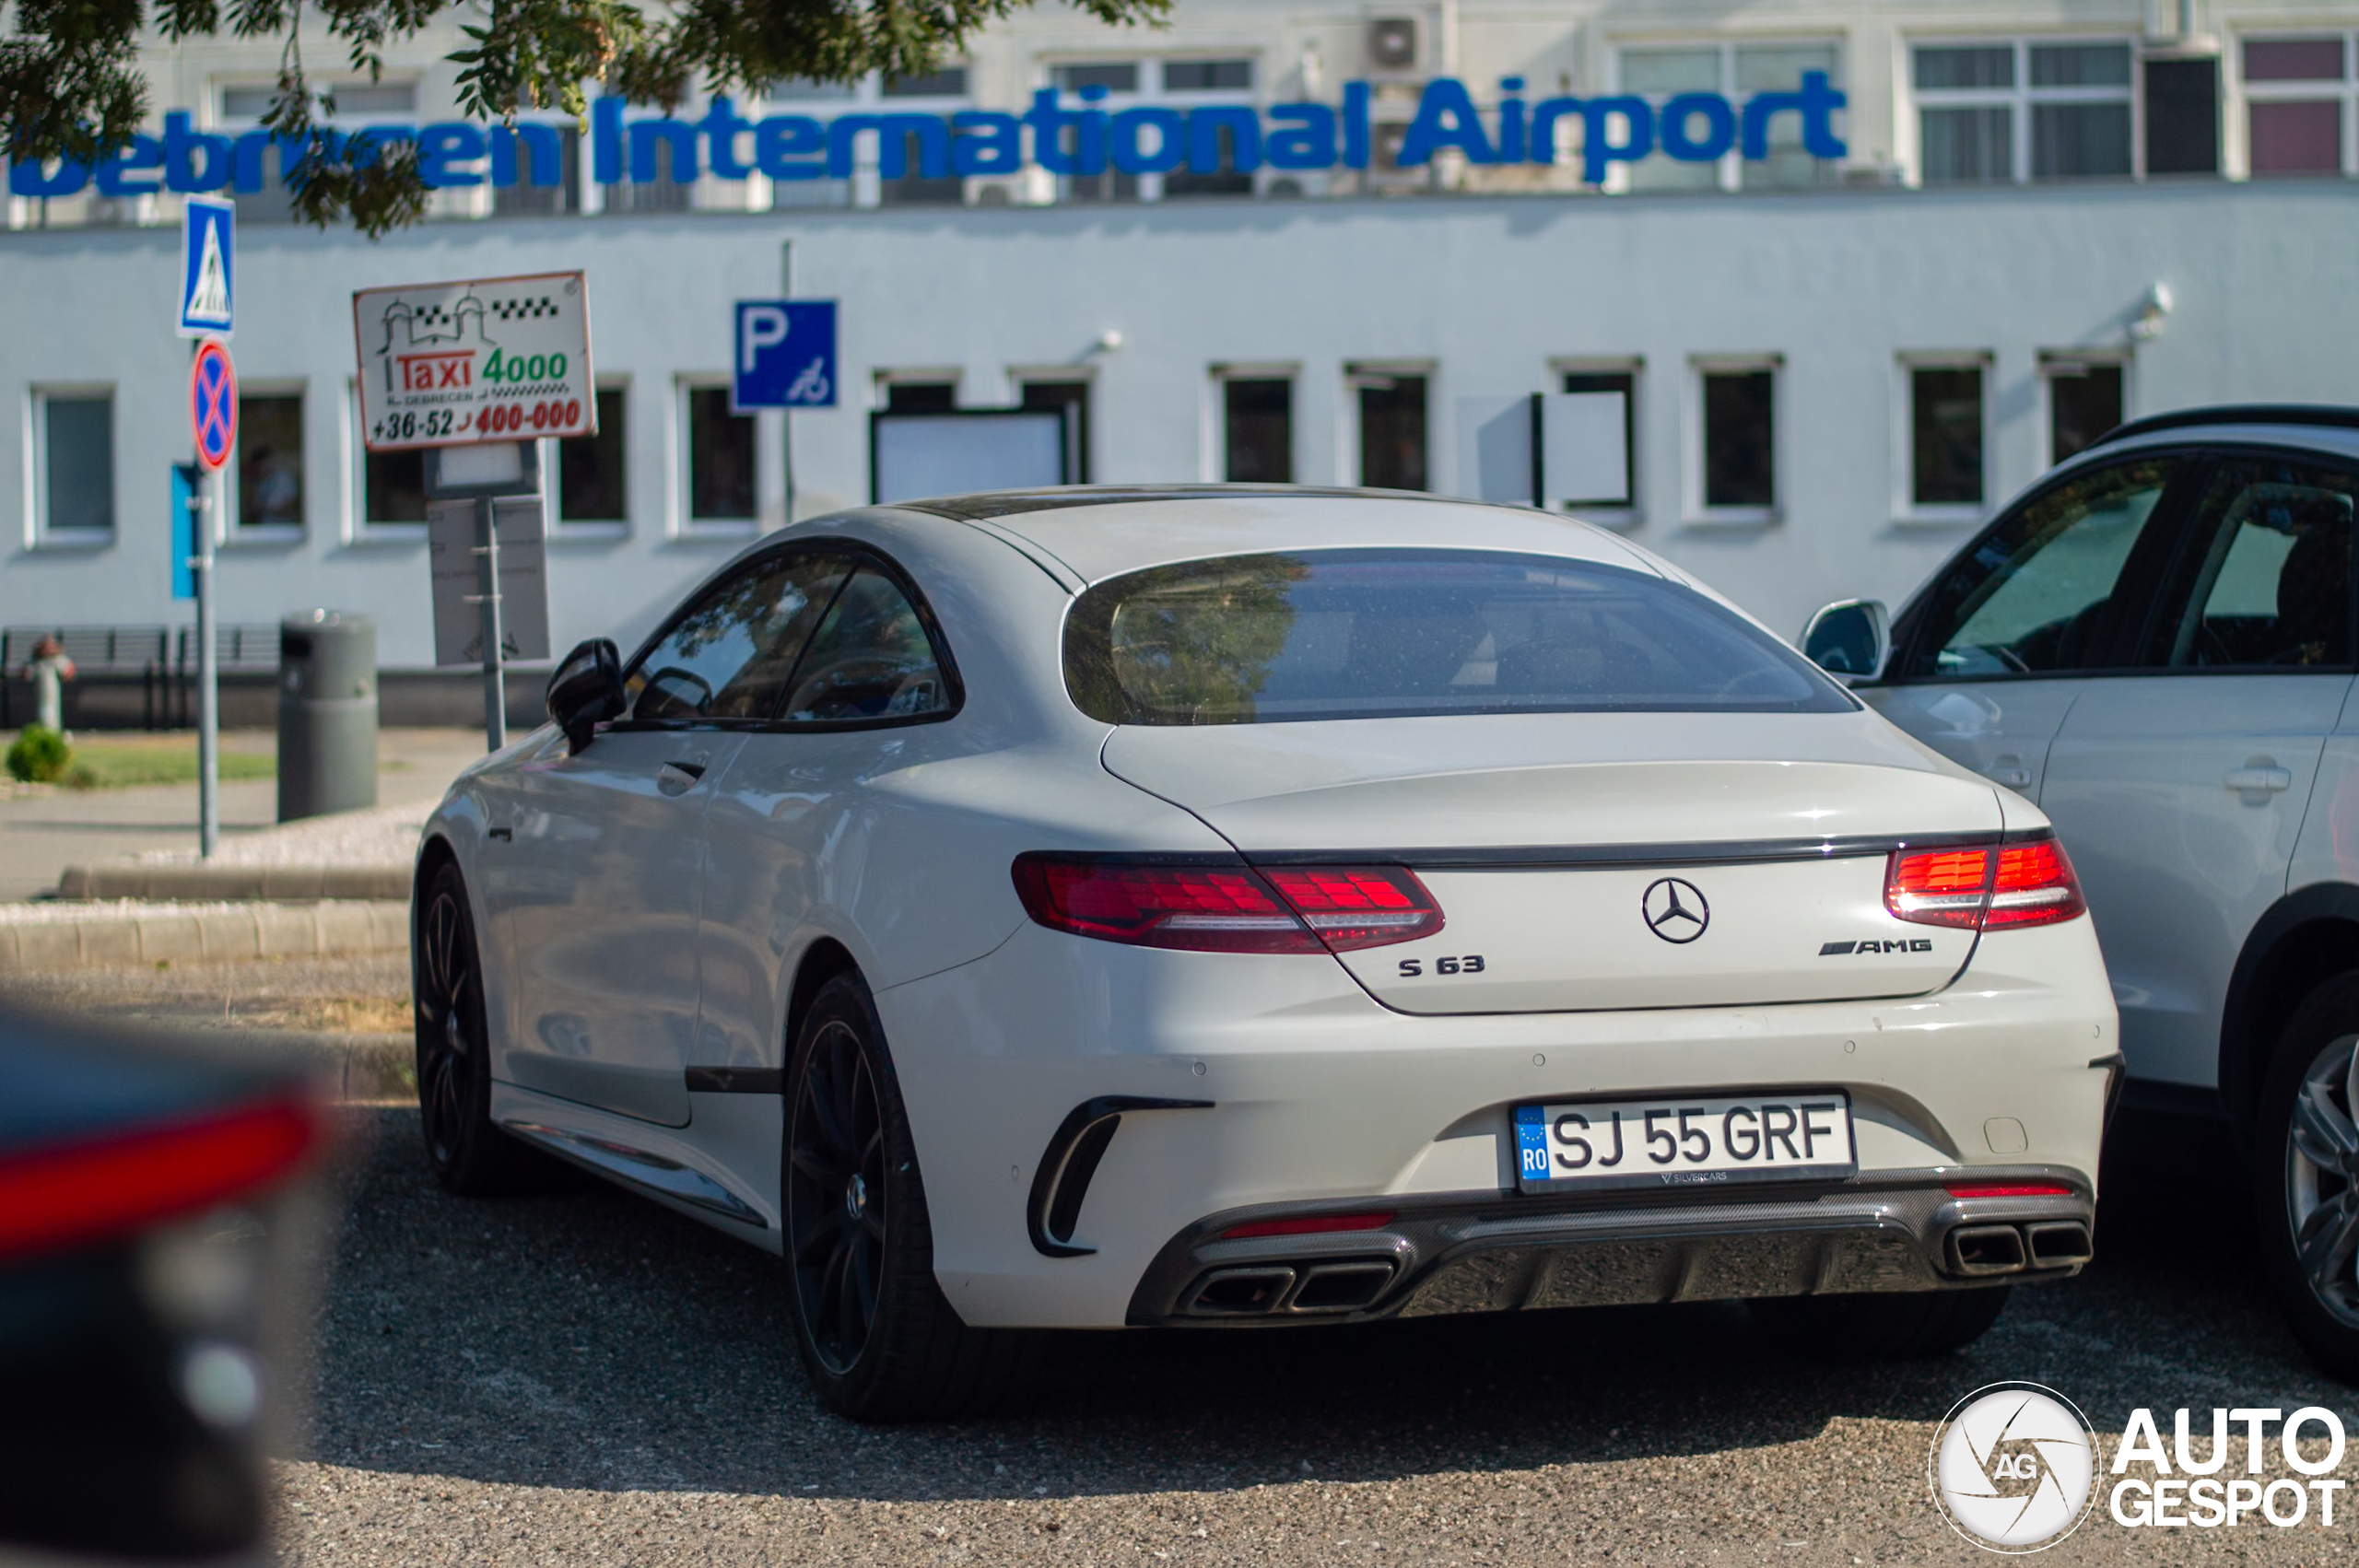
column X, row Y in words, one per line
column 2320, row 415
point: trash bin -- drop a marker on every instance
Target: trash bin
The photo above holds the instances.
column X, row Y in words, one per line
column 327, row 713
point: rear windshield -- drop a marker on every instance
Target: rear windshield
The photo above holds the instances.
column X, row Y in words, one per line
column 1378, row 634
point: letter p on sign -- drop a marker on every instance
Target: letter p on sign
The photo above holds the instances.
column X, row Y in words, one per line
column 785, row 354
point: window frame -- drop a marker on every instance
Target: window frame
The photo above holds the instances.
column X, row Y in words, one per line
column 230, row 532
column 358, row 527
column 2239, row 95
column 685, row 524
column 2144, row 568
column 1729, row 167
column 2054, row 364
column 1215, row 463
column 2019, row 100
column 1694, row 512
column 1150, row 92
column 553, row 474
column 1905, row 507
column 860, row 553
column 38, row 535
column 1630, row 513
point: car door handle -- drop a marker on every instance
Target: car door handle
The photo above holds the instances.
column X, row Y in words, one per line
column 2269, row 779
column 678, row 778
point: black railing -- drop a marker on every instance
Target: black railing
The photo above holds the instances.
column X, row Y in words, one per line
column 161, row 658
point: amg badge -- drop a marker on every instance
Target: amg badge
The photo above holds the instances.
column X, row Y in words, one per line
column 1897, row 944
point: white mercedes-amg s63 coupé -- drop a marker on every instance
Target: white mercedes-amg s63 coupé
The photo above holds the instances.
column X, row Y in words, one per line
column 1080, row 908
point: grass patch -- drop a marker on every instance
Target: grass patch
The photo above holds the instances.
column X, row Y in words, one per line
column 118, row 765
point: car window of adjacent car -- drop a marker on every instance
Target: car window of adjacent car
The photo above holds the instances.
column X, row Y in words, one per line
column 2263, row 581
column 872, row 657
column 1370, row 633
column 2040, row 592
column 728, row 657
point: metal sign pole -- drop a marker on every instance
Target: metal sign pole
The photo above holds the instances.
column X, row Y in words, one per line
column 208, row 501
column 786, row 416
column 495, row 695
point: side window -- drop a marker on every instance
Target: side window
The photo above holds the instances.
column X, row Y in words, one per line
column 870, row 658
column 728, row 657
column 2264, row 581
column 2038, row 594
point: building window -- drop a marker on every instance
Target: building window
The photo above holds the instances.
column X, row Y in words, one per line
column 1393, row 450
column 2183, row 116
column 357, row 105
column 1207, row 76
column 394, row 487
column 594, row 471
column 1071, row 399
column 1113, row 75
column 1736, row 474
column 525, row 198
column 1946, row 436
column 2086, row 399
column 1257, row 429
column 2297, row 94
column 950, row 81
column 720, row 458
column 2021, row 110
column 1610, row 387
column 920, row 397
column 77, row 471
column 270, row 461
column 1737, row 71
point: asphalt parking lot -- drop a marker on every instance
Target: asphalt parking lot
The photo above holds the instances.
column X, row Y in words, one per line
column 577, row 1375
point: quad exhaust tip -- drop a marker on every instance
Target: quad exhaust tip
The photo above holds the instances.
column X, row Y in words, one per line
column 1979, row 1251
column 1282, row 1290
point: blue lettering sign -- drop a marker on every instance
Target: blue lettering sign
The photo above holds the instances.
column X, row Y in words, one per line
column 1052, row 134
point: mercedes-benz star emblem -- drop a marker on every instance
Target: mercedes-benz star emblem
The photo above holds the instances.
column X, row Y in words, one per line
column 1674, row 909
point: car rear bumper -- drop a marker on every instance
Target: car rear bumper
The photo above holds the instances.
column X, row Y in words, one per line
column 1893, row 1231
column 1276, row 1082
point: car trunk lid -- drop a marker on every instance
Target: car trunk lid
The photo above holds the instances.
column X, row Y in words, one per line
column 1603, row 861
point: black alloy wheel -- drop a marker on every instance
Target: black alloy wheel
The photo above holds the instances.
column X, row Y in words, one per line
column 466, row 1152
column 2306, row 1174
column 837, row 1195
column 878, row 1340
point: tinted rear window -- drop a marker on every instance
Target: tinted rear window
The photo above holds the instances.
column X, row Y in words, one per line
column 1377, row 634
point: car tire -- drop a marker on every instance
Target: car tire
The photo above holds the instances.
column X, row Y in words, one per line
column 2305, row 1174
column 878, row 1338
column 467, row 1153
column 1895, row 1325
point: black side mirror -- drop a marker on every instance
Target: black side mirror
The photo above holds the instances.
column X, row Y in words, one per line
column 587, row 691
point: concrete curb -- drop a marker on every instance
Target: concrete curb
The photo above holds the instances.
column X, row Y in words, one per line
column 205, row 883
column 164, row 933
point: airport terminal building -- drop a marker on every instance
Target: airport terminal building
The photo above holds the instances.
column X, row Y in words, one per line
column 1825, row 284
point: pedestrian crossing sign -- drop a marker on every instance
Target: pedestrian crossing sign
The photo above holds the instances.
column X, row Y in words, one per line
column 208, row 231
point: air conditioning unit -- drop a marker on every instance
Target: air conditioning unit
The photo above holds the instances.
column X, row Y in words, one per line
column 1392, row 44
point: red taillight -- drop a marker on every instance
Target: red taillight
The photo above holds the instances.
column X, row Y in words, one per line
column 2010, row 885
column 85, row 1192
column 1310, row 1225
column 1353, row 907
column 1227, row 909
column 2011, row 1190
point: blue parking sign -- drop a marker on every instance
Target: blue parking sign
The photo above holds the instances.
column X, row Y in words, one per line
column 785, row 354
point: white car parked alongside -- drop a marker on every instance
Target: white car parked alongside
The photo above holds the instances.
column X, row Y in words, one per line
column 1214, row 905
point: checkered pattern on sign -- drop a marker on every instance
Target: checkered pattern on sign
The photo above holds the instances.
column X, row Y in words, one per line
column 523, row 310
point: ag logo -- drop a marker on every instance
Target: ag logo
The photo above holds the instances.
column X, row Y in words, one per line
column 2014, row 1468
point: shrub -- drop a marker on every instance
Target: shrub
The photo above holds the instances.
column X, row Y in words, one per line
column 40, row 755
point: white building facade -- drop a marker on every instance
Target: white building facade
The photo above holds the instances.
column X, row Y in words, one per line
column 1841, row 279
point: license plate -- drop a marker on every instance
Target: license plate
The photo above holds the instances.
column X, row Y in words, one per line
column 1682, row 1142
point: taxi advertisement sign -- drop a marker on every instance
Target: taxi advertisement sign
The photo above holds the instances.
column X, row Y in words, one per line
column 486, row 359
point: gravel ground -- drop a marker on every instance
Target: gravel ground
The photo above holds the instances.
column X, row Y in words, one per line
column 379, row 836
column 580, row 1377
